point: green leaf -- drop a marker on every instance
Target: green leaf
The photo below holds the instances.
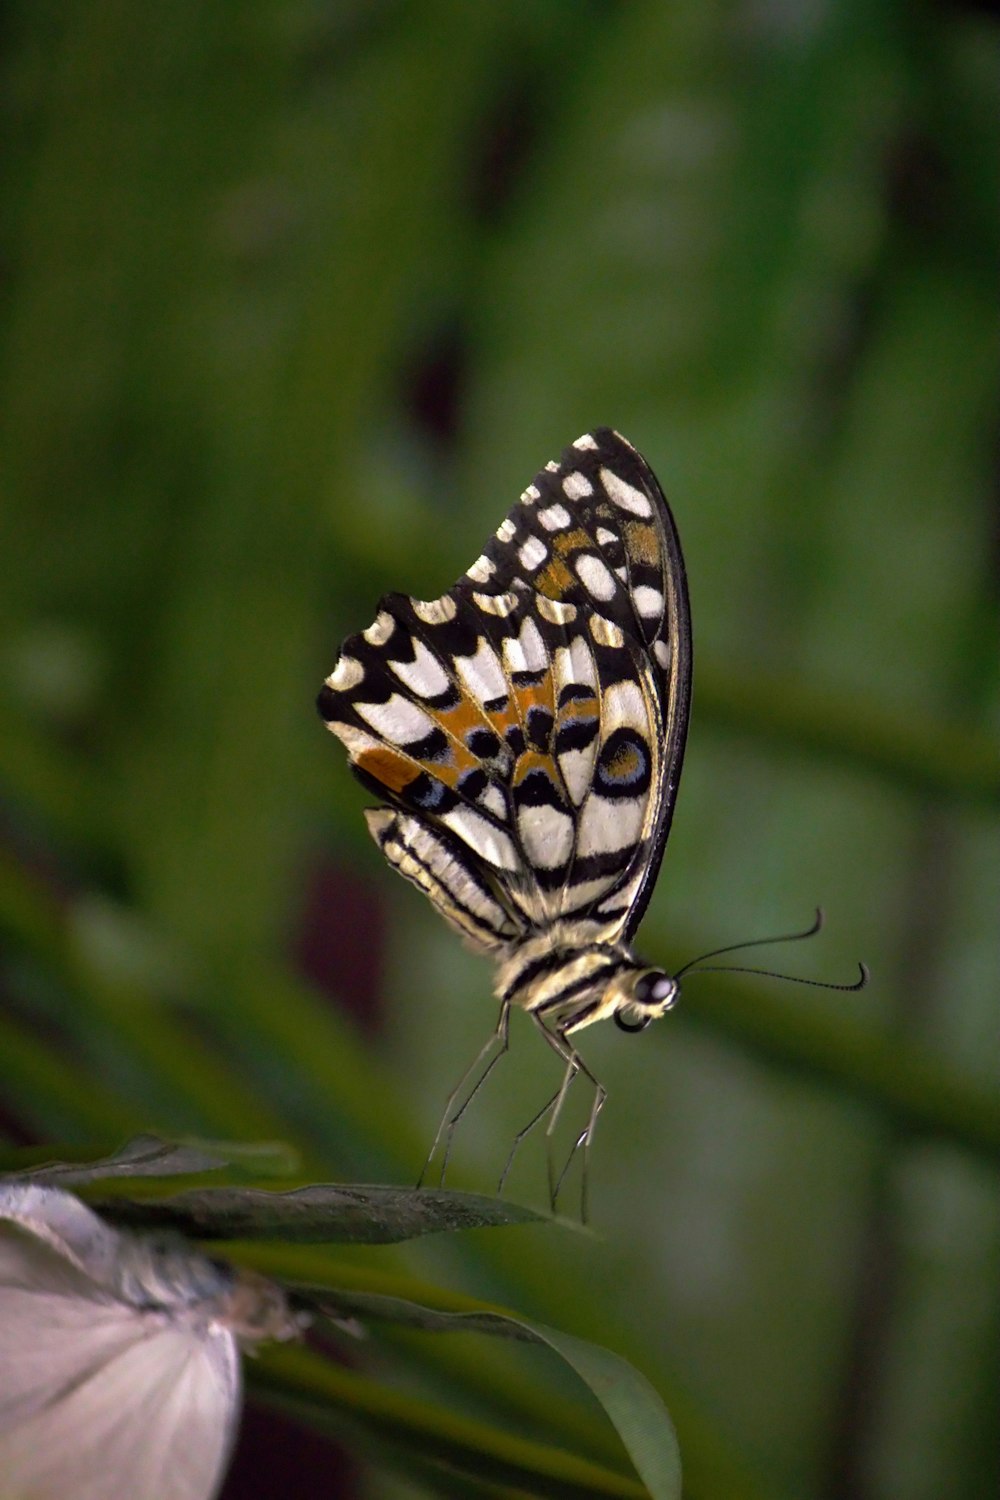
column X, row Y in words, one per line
column 332, row 1397
column 332, row 1212
column 145, row 1155
column 637, row 1412
column 642, row 1420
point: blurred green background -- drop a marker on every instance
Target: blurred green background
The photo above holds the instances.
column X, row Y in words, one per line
column 297, row 296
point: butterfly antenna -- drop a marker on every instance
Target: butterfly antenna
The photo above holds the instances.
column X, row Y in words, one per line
column 817, row 984
column 785, row 937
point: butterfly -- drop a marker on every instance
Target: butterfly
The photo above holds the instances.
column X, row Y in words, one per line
column 525, row 734
column 119, row 1354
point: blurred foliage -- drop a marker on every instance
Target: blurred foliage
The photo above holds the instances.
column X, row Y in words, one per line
column 298, row 296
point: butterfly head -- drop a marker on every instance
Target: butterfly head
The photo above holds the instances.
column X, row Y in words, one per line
column 644, row 996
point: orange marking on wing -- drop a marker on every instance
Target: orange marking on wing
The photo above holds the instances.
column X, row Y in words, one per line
column 566, row 542
column 533, row 760
column 452, row 766
column 579, row 711
column 505, row 718
column 626, row 764
column 642, row 543
column 395, row 772
column 459, row 720
column 537, row 695
column 392, row 770
column 555, row 580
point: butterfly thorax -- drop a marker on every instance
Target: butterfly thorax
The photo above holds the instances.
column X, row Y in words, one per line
column 568, row 980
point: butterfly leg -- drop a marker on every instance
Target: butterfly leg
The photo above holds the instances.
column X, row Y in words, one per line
column 584, row 1139
column 555, row 1102
column 449, row 1120
column 521, row 1134
column 563, row 1047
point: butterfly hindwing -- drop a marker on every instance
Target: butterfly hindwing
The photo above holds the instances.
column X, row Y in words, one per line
column 527, row 727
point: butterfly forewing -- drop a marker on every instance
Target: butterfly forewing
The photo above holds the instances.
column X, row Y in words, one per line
column 527, row 728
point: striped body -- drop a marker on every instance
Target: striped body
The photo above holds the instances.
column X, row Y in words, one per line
column 568, row 979
column 525, row 733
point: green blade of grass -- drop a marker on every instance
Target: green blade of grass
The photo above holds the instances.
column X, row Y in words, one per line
column 325, row 1392
column 631, row 1403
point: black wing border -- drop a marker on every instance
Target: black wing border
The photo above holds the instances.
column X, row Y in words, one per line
column 679, row 678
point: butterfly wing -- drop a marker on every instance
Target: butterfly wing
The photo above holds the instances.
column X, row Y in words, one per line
column 97, row 1397
column 528, row 727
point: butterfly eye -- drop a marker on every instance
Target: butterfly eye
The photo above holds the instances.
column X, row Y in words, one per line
column 655, row 988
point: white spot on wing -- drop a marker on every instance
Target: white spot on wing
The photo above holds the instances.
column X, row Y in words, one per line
column 662, row 653
column 575, row 664
column 577, row 486
column 425, row 675
column 648, row 601
column 584, row 666
column 552, row 466
column 554, row 611
column 380, row 629
column 482, row 673
column 624, row 895
column 585, row 442
column 554, row 517
column 532, row 647
column 354, row 740
column 496, row 604
column 547, row 836
column 490, row 843
column 513, row 655
column 435, row 611
column 577, row 767
column 609, row 824
column 493, row 799
column 398, row 720
column 530, row 495
column 623, row 705
column 625, row 495
column 533, row 553
column 482, row 570
column 506, row 531
column 595, row 577
column 582, row 894
column 346, row 674
column 605, row 537
column 606, row 632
